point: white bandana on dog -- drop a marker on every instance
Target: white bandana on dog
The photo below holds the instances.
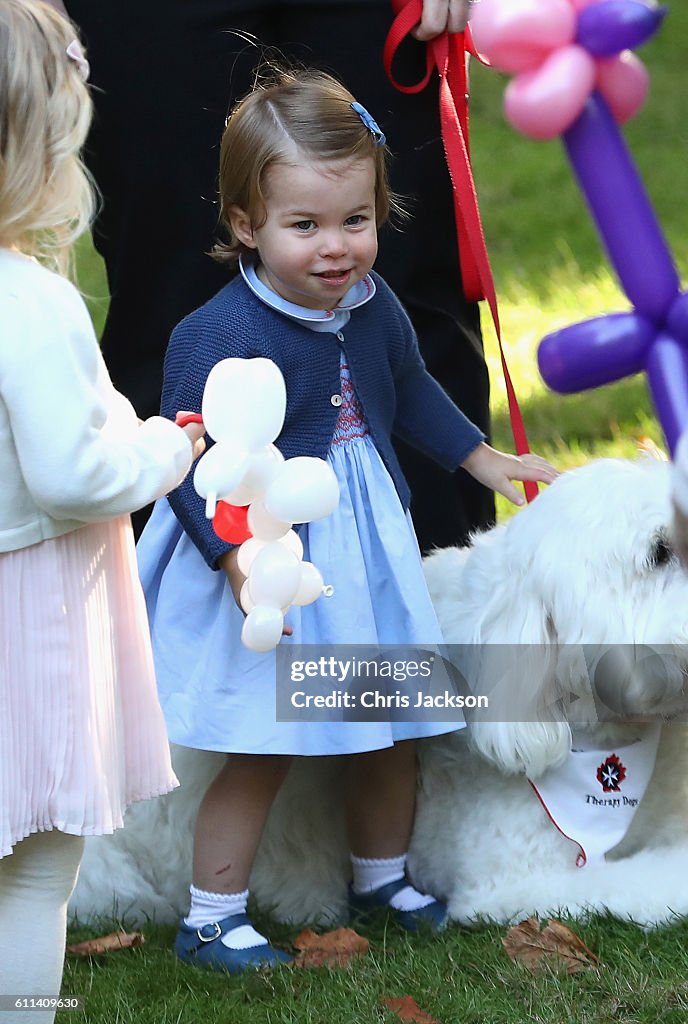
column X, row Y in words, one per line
column 592, row 798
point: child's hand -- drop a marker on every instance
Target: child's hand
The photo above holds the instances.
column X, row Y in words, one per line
column 496, row 470
column 195, row 432
column 192, row 425
column 228, row 564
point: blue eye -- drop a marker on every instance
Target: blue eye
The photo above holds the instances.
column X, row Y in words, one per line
column 354, row 221
column 304, row 225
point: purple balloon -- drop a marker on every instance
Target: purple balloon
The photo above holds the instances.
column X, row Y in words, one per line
column 607, row 28
column 595, row 352
column 677, row 320
column 621, row 209
column 667, row 371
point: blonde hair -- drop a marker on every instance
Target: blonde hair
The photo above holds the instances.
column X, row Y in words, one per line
column 305, row 111
column 46, row 198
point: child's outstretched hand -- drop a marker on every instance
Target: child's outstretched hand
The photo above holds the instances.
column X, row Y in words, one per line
column 497, row 469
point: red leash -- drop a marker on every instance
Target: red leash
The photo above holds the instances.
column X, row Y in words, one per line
column 447, row 55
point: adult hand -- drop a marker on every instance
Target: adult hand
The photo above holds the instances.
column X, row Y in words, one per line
column 441, row 16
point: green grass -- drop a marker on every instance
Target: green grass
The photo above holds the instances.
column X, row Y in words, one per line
column 465, row 977
column 90, row 277
column 550, row 271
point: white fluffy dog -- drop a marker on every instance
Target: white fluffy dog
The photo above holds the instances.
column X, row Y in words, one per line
column 589, row 562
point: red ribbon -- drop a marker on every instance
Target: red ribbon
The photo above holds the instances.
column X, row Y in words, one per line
column 447, row 54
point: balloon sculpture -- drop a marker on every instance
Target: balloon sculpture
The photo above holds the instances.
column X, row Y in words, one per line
column 254, row 496
column 576, row 77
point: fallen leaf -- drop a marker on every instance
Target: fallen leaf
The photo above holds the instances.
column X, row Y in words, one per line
column 107, row 943
column 332, row 949
column 406, row 1008
column 554, row 946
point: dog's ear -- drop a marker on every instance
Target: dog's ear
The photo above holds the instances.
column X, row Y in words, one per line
column 486, row 594
column 491, row 602
column 491, row 593
column 522, row 748
column 524, row 729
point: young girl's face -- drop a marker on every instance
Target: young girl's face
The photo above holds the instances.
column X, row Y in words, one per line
column 320, row 235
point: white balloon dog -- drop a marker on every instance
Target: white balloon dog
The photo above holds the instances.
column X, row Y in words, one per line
column 243, row 408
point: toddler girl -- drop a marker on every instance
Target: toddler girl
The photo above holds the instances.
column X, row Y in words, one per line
column 304, row 188
column 81, row 732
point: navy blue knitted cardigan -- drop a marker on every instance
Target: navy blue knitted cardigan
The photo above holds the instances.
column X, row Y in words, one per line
column 396, row 392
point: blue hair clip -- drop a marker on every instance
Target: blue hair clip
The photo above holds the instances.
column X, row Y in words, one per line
column 370, row 123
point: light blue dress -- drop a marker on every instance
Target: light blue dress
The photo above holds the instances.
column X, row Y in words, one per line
column 218, row 695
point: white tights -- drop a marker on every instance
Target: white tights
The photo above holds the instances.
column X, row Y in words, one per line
column 36, row 881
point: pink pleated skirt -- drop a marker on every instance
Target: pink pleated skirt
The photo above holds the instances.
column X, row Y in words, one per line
column 81, row 731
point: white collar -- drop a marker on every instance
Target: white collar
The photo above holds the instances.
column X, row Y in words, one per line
column 335, row 318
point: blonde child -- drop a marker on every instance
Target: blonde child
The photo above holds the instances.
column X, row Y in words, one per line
column 304, row 188
column 81, row 732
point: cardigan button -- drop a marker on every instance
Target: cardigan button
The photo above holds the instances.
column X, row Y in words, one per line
column 336, row 400
column 339, row 336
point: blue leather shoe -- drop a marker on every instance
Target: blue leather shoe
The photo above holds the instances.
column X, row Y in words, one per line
column 204, row 947
column 432, row 917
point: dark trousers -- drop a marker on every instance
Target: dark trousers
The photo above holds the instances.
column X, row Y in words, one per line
column 165, row 75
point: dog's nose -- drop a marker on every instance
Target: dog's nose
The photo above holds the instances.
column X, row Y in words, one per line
column 635, row 679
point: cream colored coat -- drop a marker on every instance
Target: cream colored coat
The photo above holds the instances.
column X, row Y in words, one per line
column 72, row 450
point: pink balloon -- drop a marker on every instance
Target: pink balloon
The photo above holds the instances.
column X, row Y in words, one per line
column 578, row 5
column 517, row 36
column 624, row 82
column 544, row 103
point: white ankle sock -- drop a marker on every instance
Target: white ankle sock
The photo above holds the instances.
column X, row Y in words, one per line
column 372, row 873
column 207, row 907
